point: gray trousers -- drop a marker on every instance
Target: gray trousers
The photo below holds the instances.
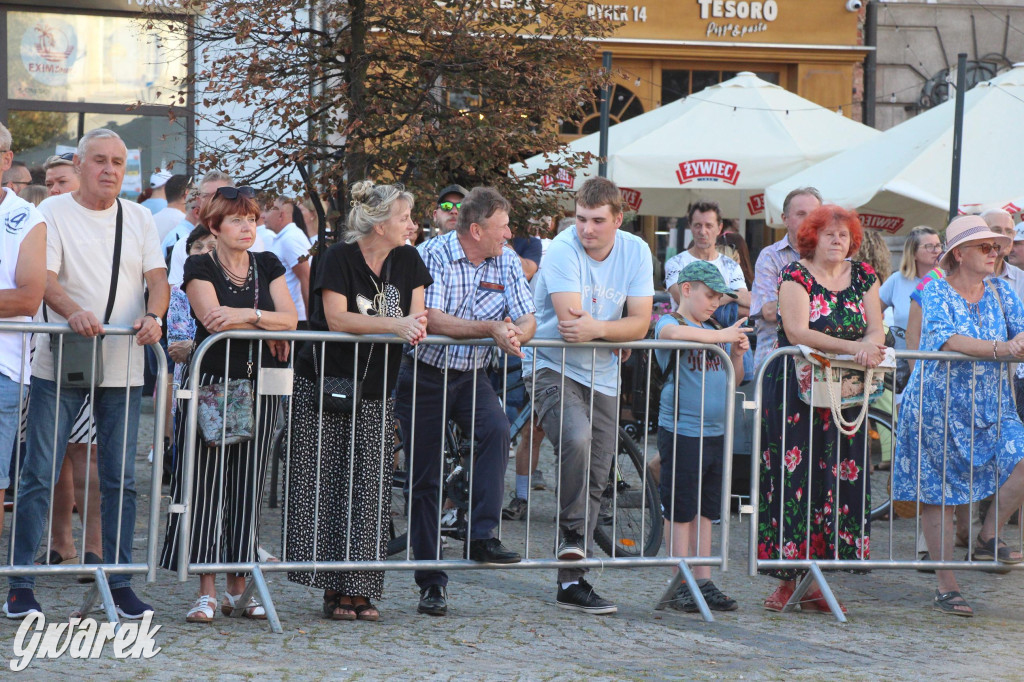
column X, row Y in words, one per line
column 565, row 418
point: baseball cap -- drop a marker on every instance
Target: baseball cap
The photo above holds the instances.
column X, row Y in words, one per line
column 451, row 189
column 1019, row 235
column 703, row 271
column 159, row 179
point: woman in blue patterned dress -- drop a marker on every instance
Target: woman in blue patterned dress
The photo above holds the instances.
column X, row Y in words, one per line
column 971, row 427
column 814, row 487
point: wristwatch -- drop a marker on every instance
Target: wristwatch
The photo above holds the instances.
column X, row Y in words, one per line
column 259, row 316
column 157, row 318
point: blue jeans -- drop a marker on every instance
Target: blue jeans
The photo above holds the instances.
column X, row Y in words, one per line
column 114, row 409
column 10, row 421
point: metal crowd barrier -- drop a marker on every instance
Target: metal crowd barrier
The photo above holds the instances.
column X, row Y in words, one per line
column 627, row 489
column 895, row 534
column 100, row 590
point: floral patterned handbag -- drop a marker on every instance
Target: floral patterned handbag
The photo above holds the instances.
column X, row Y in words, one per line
column 226, row 408
column 837, row 382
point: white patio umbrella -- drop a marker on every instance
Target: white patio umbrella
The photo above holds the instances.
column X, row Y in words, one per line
column 726, row 143
column 901, row 178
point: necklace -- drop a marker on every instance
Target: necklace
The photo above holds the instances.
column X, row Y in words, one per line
column 240, row 282
column 380, row 299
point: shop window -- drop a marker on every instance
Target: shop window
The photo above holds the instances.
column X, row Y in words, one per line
column 78, row 58
column 679, row 83
column 623, row 105
column 152, row 141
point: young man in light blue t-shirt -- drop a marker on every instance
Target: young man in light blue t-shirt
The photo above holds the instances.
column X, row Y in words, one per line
column 597, row 283
column 691, row 423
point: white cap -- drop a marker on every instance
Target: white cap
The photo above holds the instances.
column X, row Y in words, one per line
column 1019, row 236
column 159, row 179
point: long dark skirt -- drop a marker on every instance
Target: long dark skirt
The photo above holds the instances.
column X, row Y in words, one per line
column 338, row 505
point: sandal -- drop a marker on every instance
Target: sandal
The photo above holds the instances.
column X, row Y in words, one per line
column 778, row 599
column 814, row 602
column 363, row 609
column 333, row 604
column 985, row 550
column 54, row 558
column 202, row 611
column 253, row 609
column 948, row 603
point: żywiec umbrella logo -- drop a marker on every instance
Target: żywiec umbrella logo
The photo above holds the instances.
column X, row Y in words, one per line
column 708, row 169
column 632, row 198
column 890, row 224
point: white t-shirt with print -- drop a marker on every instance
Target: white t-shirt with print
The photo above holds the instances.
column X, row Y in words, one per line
column 730, row 269
column 80, row 250
column 291, row 246
column 17, row 217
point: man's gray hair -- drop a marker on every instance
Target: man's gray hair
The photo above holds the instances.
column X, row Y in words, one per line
column 217, row 176
column 809, row 191
column 993, row 212
column 479, row 205
column 371, row 205
column 96, row 134
column 5, row 138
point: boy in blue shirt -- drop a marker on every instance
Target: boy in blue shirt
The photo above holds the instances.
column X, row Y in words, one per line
column 691, row 423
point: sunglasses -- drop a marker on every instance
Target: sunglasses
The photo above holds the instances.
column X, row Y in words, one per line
column 449, row 205
column 234, row 192
column 986, row 248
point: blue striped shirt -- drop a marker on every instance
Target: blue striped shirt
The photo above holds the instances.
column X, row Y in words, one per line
column 493, row 290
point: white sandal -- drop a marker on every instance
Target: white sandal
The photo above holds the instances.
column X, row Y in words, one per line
column 202, row 611
column 254, row 610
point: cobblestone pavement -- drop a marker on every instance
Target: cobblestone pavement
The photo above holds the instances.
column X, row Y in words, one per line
column 504, row 625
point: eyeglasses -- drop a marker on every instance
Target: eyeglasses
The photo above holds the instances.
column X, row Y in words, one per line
column 934, row 248
column 234, row 192
column 986, row 248
column 449, row 205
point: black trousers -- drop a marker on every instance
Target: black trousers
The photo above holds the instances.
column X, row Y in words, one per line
column 489, row 426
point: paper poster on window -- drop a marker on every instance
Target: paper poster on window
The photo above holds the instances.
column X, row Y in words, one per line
column 131, row 188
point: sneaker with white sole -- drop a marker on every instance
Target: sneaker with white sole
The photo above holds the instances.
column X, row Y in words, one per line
column 581, row 596
column 571, row 546
column 128, row 604
column 21, row 602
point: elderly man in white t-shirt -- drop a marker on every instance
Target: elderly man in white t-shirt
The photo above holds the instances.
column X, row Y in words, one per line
column 80, row 243
column 22, row 282
column 705, row 223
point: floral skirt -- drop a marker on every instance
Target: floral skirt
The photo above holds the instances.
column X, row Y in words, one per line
column 815, row 491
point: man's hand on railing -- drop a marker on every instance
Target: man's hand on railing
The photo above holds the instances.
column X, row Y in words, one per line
column 84, row 322
column 584, row 328
column 147, row 330
column 506, row 335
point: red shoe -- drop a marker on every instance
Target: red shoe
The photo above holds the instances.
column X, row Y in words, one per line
column 815, row 601
column 778, row 599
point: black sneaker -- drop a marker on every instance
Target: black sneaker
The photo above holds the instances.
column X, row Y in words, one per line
column 433, row 601
column 20, row 603
column 128, row 605
column 571, row 546
column 491, row 551
column 717, row 601
column 582, row 597
column 516, row 509
column 683, row 600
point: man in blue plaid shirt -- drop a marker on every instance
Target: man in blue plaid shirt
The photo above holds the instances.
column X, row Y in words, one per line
column 479, row 291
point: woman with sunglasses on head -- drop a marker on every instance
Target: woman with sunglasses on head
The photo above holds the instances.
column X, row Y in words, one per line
column 229, row 288
column 959, row 437
column 338, row 497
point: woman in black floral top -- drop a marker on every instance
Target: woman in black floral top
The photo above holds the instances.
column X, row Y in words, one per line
column 814, row 488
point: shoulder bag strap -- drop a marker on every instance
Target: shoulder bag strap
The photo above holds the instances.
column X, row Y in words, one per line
column 115, row 268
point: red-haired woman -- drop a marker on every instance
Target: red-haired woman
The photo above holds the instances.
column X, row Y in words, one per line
column 813, row 484
column 229, row 288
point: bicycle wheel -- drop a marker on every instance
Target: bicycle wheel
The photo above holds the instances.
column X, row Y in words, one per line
column 881, row 434
column 637, row 508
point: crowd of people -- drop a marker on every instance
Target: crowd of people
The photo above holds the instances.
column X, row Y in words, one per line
column 200, row 258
